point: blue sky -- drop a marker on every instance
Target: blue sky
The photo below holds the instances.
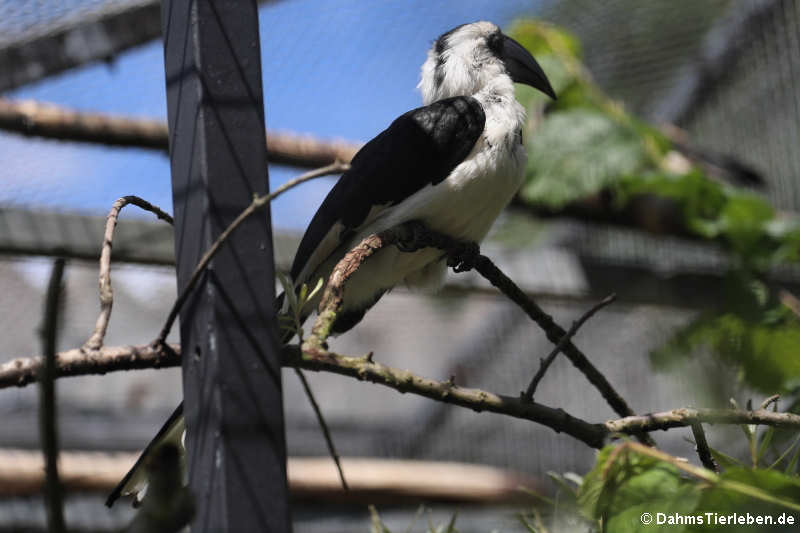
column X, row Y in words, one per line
column 332, row 68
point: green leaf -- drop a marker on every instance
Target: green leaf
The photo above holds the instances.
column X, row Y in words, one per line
column 376, row 524
column 570, row 490
column 619, row 492
column 783, row 455
column 576, row 153
column 725, row 460
column 288, row 290
column 316, row 289
column 763, row 446
column 791, row 468
column 755, row 491
column 765, row 351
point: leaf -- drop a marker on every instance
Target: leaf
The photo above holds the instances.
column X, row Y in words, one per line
column 621, row 487
column 724, row 460
column 316, row 289
column 791, row 468
column 756, row 491
column 562, row 483
column 576, row 153
column 766, row 439
column 376, row 524
column 288, row 290
column 451, row 526
column 765, row 351
column 783, row 455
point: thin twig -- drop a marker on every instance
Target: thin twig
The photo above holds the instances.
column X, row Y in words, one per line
column 258, row 203
column 703, row 451
column 106, row 293
column 323, row 425
column 554, row 333
column 47, row 410
column 40, row 119
column 771, row 400
column 547, row 361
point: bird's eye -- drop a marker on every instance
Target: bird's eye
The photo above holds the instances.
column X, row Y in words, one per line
column 495, row 42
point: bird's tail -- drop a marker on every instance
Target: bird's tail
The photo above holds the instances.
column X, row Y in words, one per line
column 173, row 430
column 135, row 481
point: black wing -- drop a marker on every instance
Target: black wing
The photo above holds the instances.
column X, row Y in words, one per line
column 420, row 148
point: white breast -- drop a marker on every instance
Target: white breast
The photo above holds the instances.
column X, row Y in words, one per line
column 463, row 206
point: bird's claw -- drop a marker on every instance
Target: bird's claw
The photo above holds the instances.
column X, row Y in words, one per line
column 464, row 258
column 409, row 241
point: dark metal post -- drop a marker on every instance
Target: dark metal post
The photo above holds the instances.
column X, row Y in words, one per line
column 231, row 369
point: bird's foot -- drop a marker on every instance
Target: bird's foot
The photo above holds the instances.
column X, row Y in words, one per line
column 411, row 237
column 464, row 257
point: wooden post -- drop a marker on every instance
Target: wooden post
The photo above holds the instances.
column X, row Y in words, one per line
column 231, row 370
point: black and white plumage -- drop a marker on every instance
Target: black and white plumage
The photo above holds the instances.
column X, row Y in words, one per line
column 452, row 164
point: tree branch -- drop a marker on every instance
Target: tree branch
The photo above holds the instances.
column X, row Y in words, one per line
column 48, row 420
column 547, row 361
column 366, row 369
column 95, row 341
column 703, row 451
column 39, row 119
column 686, row 416
column 326, row 433
column 23, row 371
column 79, row 362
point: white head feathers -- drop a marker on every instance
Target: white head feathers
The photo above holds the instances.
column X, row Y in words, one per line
column 463, row 62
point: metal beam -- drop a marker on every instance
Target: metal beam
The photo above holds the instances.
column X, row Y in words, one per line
column 232, row 381
column 92, row 37
column 97, row 35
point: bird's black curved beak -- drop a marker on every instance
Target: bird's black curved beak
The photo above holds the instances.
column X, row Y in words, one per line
column 523, row 68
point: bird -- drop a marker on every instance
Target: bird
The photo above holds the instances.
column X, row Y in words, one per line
column 452, row 164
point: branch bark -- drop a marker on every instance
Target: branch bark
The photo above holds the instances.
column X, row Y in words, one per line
column 95, row 341
column 80, row 362
column 703, row 451
column 686, row 416
column 547, row 361
column 48, row 420
column 23, row 371
column 38, row 119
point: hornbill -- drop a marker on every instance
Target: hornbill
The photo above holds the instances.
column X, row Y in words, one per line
column 452, row 164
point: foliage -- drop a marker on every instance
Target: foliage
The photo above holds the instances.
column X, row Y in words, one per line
column 585, row 144
column 377, row 525
column 631, row 483
column 298, row 300
column 751, row 330
column 584, row 141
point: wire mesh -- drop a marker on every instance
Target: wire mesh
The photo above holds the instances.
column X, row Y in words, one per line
column 21, row 20
column 347, row 69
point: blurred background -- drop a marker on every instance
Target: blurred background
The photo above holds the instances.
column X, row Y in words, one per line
column 666, row 172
